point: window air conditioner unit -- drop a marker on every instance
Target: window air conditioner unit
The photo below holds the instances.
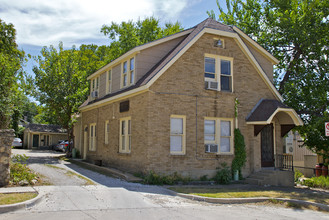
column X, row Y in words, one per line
column 211, row 148
column 94, row 94
column 211, row 85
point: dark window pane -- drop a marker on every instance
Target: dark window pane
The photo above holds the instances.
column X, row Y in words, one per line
column 209, row 75
column 225, row 67
column 209, row 65
column 225, row 82
column 125, row 67
column 132, row 64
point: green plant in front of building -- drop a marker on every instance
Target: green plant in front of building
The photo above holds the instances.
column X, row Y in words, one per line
column 317, row 182
column 298, row 175
column 240, row 156
column 20, row 174
column 153, row 178
column 223, row 175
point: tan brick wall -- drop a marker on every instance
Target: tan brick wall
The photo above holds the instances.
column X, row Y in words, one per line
column 266, row 64
column 180, row 90
column 109, row 153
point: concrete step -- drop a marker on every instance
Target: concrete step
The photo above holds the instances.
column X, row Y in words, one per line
column 252, row 181
column 259, row 177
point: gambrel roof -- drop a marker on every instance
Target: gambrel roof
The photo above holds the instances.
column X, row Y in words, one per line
column 190, row 37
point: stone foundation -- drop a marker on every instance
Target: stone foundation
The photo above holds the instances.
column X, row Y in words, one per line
column 6, row 139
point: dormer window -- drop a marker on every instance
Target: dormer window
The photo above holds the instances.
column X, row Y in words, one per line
column 128, row 72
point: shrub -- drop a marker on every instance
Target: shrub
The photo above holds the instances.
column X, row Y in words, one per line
column 204, row 178
column 223, row 176
column 297, row 175
column 20, row 172
column 155, row 179
column 319, row 182
column 240, row 156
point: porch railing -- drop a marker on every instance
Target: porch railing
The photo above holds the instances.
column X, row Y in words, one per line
column 284, row 162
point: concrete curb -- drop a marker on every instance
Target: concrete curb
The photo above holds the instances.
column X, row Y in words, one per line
column 251, row 200
column 110, row 171
column 22, row 205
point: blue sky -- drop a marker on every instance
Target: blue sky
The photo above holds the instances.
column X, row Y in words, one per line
column 74, row 22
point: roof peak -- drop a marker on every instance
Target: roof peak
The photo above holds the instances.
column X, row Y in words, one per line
column 214, row 24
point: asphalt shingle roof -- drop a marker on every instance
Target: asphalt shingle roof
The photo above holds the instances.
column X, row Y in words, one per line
column 45, row 128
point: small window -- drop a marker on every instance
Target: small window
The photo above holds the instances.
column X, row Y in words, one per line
column 125, row 135
column 177, row 134
column 107, row 132
column 132, row 72
column 219, row 43
column 109, row 81
column 124, row 74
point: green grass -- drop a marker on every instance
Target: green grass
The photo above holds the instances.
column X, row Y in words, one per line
column 12, row 198
column 241, row 193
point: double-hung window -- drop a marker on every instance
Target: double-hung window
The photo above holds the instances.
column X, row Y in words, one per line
column 125, row 135
column 109, row 81
column 219, row 69
column 128, row 72
column 92, row 137
column 177, row 134
column 107, row 132
column 94, row 85
column 219, row 131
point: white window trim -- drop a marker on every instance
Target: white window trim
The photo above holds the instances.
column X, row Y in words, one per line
column 92, row 139
column 125, row 135
column 107, row 132
column 128, row 72
column 183, row 152
column 109, row 82
column 218, row 135
column 218, row 69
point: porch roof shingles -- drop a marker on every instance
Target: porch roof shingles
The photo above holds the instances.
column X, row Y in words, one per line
column 264, row 109
column 45, row 128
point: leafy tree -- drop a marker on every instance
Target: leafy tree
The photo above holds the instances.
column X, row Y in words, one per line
column 11, row 59
column 128, row 35
column 297, row 33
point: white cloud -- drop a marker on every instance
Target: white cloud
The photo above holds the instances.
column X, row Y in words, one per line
column 45, row 22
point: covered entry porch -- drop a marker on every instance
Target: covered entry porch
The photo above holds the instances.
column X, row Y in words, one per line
column 272, row 120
